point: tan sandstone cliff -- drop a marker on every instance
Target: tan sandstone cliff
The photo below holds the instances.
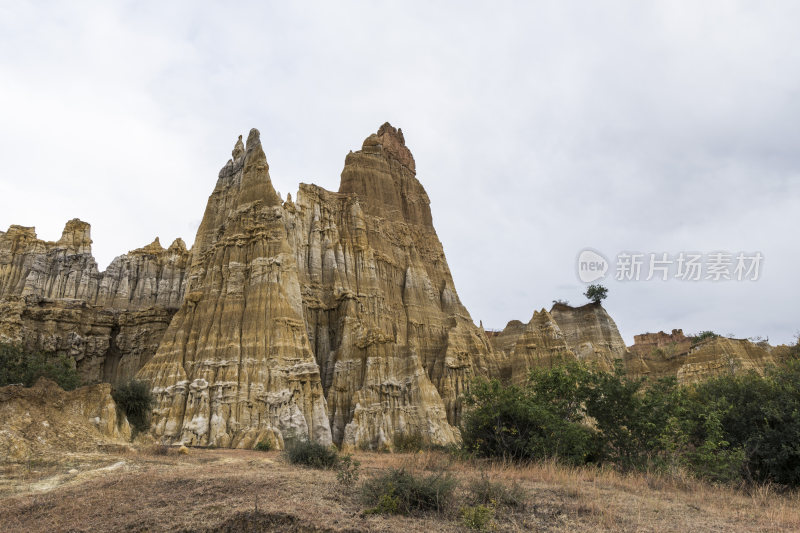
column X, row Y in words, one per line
column 395, row 346
column 54, row 299
column 334, row 316
column 690, row 360
column 587, row 333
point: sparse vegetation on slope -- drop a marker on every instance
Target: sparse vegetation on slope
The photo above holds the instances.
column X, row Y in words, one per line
column 230, row 490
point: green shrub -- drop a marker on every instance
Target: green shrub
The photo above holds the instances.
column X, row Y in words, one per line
column 311, row 453
column 703, row 335
column 730, row 428
column 135, row 400
column 263, row 446
column 515, row 423
column 761, row 416
column 399, row 491
column 19, row 366
column 713, row 459
column 347, row 470
column 478, row 517
column 387, row 503
column 629, row 417
column 483, row 491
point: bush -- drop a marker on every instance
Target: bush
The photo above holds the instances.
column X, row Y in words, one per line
column 478, row 517
column 483, row 491
column 758, row 415
column 263, row 446
column 630, row 418
column 703, row 335
column 398, row 491
column 730, row 428
column 515, row 423
column 347, row 470
column 135, row 400
column 311, row 453
column 19, row 366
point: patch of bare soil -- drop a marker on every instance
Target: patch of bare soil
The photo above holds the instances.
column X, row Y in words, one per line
column 235, row 490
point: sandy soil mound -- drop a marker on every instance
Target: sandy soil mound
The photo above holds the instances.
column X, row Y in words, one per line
column 44, row 419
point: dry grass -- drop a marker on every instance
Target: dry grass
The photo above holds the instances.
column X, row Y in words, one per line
column 234, row 490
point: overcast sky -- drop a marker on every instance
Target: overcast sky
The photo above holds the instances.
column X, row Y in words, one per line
column 539, row 129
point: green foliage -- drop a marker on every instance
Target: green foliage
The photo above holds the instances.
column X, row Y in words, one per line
column 135, row 400
column 703, row 335
column 311, row 453
column 729, row 428
column 714, row 459
column 794, row 350
column 596, row 293
column 387, row 503
column 347, row 470
column 483, row 491
column 760, row 416
column 478, row 517
column 19, row 366
column 514, row 423
column 398, row 491
column 629, row 418
column 263, row 446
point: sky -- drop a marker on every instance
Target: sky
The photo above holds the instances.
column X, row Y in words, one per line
column 539, row 129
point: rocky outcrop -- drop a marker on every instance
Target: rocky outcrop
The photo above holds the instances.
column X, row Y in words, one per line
column 657, row 355
column 54, row 299
column 395, row 346
column 334, row 316
column 143, row 278
column 44, row 418
column 235, row 365
column 585, row 333
column 520, row 347
column 590, row 333
column 108, row 345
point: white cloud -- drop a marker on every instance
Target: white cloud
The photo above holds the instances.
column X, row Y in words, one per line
column 653, row 126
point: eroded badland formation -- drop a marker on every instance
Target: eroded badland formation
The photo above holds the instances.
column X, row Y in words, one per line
column 332, row 316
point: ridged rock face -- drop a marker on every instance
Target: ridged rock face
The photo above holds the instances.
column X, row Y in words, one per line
column 236, row 366
column 54, row 299
column 395, row 346
column 107, row 345
column 590, row 333
column 657, row 355
column 143, row 278
column 333, row 316
column 520, row 347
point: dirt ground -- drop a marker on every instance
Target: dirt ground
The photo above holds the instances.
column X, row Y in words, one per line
column 234, row 490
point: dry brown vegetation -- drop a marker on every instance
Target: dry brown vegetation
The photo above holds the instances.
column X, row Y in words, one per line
column 235, row 490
